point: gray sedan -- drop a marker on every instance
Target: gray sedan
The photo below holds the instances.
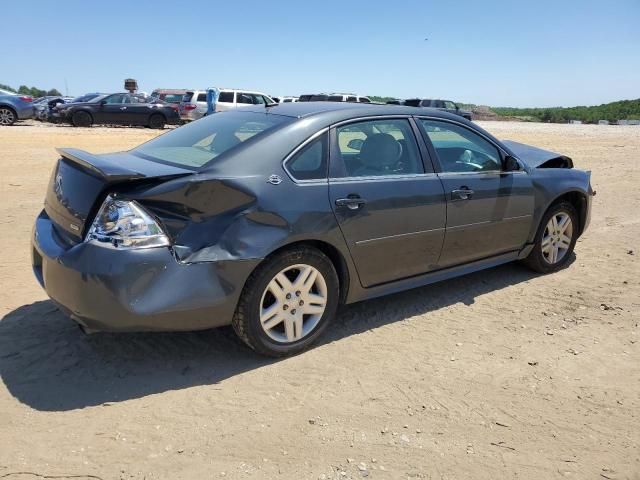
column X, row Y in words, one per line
column 269, row 218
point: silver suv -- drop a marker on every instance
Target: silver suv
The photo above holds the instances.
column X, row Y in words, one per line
column 194, row 102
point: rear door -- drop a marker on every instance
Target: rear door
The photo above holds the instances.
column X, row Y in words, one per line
column 113, row 110
column 489, row 211
column 138, row 111
column 388, row 202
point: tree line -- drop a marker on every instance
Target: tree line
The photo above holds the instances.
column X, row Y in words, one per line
column 622, row 110
column 32, row 91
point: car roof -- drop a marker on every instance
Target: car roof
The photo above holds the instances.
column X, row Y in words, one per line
column 339, row 111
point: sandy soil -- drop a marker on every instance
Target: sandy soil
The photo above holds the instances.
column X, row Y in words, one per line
column 500, row 374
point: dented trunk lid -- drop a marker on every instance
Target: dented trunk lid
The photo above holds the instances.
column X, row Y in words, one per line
column 536, row 157
column 81, row 180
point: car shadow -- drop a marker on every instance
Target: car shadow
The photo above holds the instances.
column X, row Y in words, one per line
column 47, row 363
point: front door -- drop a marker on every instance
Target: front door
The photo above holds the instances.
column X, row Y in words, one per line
column 390, row 209
column 489, row 210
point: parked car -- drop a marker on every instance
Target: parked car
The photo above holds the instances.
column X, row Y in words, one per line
column 267, row 219
column 169, row 95
column 45, row 106
column 347, row 97
column 117, row 108
column 14, row 107
column 194, row 102
column 444, row 105
column 288, row 99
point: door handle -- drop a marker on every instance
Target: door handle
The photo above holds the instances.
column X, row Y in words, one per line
column 352, row 202
column 463, row 193
column 123, row 108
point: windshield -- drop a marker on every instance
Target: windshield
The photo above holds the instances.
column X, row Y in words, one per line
column 199, row 143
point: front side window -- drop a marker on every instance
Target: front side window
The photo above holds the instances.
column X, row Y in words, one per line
column 335, row 98
column 364, row 100
column 200, row 143
column 449, row 105
column 310, row 163
column 378, row 148
column 258, row 99
column 461, row 150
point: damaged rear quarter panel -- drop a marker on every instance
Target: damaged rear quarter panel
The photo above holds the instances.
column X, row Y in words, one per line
column 243, row 218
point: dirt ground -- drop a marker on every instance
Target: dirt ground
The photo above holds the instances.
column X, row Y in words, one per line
column 500, row 374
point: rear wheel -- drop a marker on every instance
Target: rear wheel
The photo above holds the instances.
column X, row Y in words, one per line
column 157, row 121
column 287, row 302
column 7, row 116
column 555, row 239
column 81, row 119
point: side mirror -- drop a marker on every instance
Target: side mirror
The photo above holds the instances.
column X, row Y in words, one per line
column 103, row 102
column 355, row 144
column 511, row 164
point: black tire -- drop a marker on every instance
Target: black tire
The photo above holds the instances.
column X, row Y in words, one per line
column 7, row 116
column 536, row 259
column 157, row 121
column 246, row 320
column 81, row 119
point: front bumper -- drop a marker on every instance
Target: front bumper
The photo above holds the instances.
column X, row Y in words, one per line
column 134, row 290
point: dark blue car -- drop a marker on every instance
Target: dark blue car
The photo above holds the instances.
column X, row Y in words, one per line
column 269, row 218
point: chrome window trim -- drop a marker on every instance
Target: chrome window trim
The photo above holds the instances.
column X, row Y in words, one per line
column 370, row 118
column 483, row 172
column 300, row 147
column 369, row 178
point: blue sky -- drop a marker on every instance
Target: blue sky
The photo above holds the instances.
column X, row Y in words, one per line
column 500, row 53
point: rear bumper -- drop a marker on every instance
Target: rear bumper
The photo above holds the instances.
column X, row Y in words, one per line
column 25, row 113
column 135, row 290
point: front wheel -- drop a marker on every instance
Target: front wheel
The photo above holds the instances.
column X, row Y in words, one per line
column 555, row 239
column 287, row 302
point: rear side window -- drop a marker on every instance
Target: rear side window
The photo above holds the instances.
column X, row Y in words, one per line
column 242, row 97
column 310, row 163
column 201, row 142
column 186, row 98
column 352, row 99
column 226, row 97
column 202, row 97
column 335, row 98
column 378, row 148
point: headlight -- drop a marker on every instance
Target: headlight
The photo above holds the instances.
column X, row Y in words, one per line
column 124, row 224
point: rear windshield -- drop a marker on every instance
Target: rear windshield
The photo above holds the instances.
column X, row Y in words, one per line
column 186, row 98
column 171, row 97
column 199, row 143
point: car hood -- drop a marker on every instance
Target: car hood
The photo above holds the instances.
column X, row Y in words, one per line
column 536, row 157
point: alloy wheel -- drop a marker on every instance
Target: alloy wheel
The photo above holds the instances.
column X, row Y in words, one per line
column 293, row 303
column 556, row 239
column 7, row 117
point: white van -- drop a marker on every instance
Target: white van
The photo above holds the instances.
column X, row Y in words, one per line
column 194, row 102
